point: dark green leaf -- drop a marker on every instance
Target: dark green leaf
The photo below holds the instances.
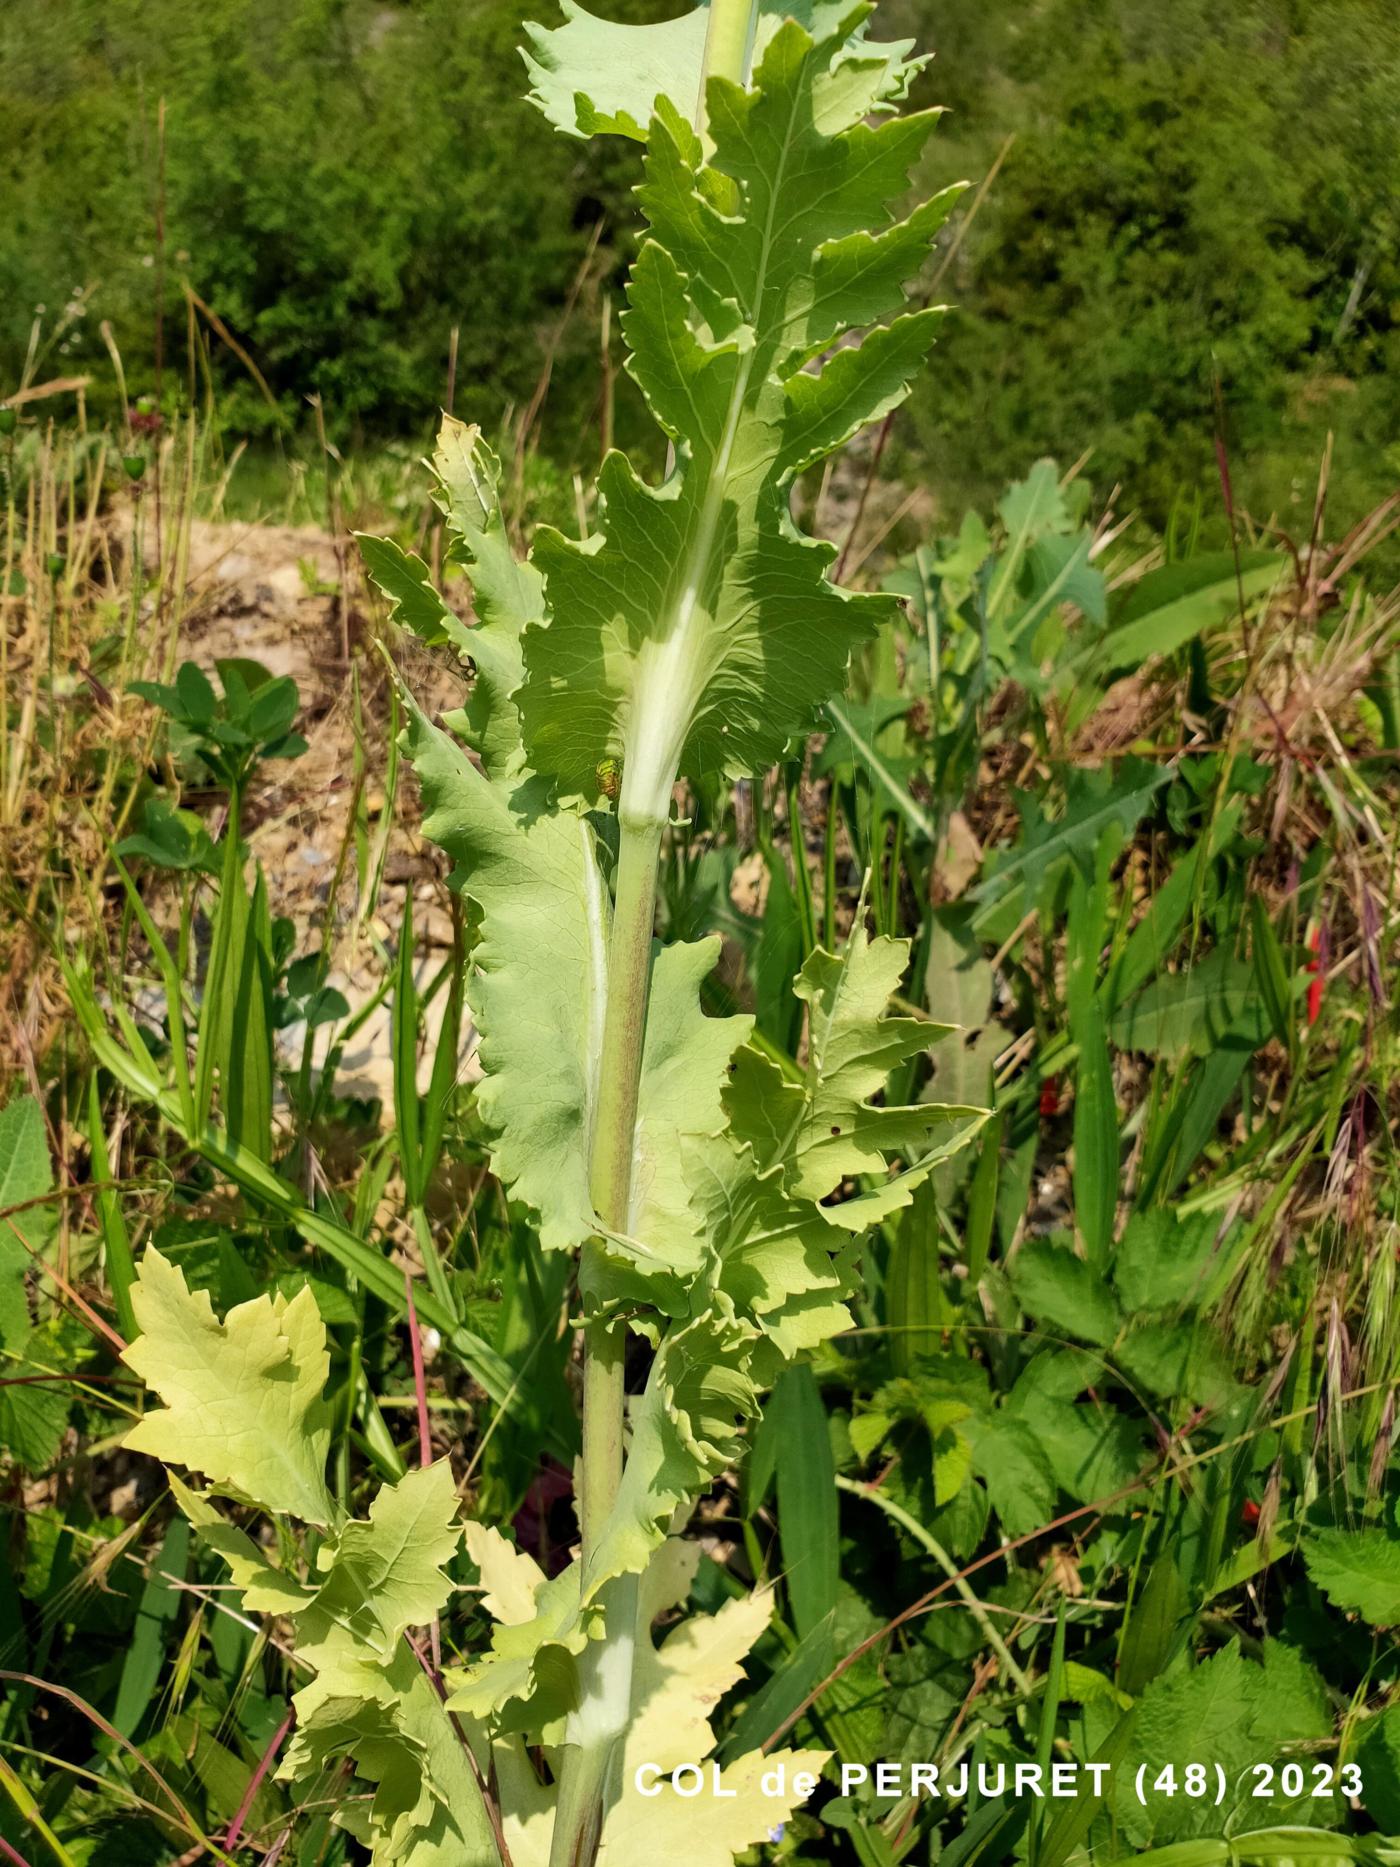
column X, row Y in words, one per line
column 807, row 1502
column 1167, row 607
column 1061, row 1290
column 1214, row 1003
column 1358, row 1570
column 198, row 701
column 1151, row 1630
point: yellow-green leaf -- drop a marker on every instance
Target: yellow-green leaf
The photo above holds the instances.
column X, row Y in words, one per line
column 243, row 1397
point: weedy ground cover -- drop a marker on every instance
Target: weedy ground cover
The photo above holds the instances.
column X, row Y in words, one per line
column 909, row 1272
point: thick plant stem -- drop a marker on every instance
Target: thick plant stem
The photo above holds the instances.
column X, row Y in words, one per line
column 598, row 1727
column 729, row 42
column 605, row 1700
column 603, row 1351
column 624, row 1028
column 610, row 1165
column 578, row 1810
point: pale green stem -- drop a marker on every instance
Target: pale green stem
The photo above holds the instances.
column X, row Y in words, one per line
column 610, row 1162
column 578, row 1808
column 945, row 1562
column 729, row 43
column 588, row 1780
column 624, row 1027
column 605, row 1668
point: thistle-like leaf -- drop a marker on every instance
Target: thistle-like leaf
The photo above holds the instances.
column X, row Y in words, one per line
column 538, row 994
column 426, row 1807
column 243, row 1397
column 700, row 631
column 529, row 1680
column 676, row 1687
column 810, row 1136
column 596, row 77
column 785, row 1256
column 684, row 1060
column 521, row 1676
column 510, row 1577
column 386, row 1575
column 507, row 594
column 538, row 990
column 677, row 1684
column 783, row 1264
column 686, row 1428
column 852, row 1046
column 369, row 1698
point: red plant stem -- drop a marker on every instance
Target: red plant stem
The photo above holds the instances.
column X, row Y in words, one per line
column 420, row 1385
column 13, row 1855
column 876, row 455
column 279, row 1736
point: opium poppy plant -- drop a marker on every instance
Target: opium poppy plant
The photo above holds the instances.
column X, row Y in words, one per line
column 715, row 1203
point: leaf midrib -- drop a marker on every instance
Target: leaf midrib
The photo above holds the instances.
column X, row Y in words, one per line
column 683, row 605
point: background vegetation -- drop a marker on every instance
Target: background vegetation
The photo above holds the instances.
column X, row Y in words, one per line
column 1197, row 198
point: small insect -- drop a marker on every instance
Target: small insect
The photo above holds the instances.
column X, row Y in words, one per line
column 609, row 776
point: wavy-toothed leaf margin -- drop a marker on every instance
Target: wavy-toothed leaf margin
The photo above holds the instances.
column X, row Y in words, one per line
column 598, row 77
column 700, row 631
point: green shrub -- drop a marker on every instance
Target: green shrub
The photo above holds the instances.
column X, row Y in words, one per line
column 1194, row 191
column 344, row 184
